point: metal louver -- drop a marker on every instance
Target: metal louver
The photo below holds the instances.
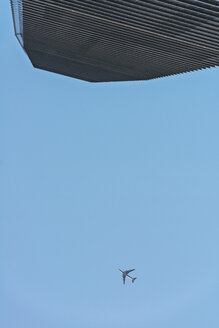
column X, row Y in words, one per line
column 118, row 40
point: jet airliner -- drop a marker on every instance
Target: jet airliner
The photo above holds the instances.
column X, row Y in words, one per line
column 126, row 274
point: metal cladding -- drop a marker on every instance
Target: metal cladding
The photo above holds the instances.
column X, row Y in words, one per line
column 118, row 40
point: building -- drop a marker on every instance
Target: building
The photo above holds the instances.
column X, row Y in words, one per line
column 118, row 40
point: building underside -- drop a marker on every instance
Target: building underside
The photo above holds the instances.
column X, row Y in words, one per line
column 118, row 40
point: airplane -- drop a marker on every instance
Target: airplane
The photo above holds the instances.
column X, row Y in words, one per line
column 126, row 274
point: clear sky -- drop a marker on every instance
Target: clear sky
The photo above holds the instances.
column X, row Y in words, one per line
column 96, row 177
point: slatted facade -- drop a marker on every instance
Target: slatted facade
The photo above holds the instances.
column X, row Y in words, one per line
column 118, row 40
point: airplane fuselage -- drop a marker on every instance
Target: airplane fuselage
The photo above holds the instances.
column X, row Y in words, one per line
column 126, row 274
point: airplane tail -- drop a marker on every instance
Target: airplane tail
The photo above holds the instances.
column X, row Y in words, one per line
column 133, row 280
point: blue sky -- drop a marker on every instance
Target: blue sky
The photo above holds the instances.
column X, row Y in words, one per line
column 96, row 177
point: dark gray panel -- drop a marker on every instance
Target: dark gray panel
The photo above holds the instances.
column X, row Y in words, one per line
column 119, row 40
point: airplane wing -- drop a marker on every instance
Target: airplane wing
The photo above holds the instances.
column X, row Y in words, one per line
column 128, row 271
column 123, row 278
